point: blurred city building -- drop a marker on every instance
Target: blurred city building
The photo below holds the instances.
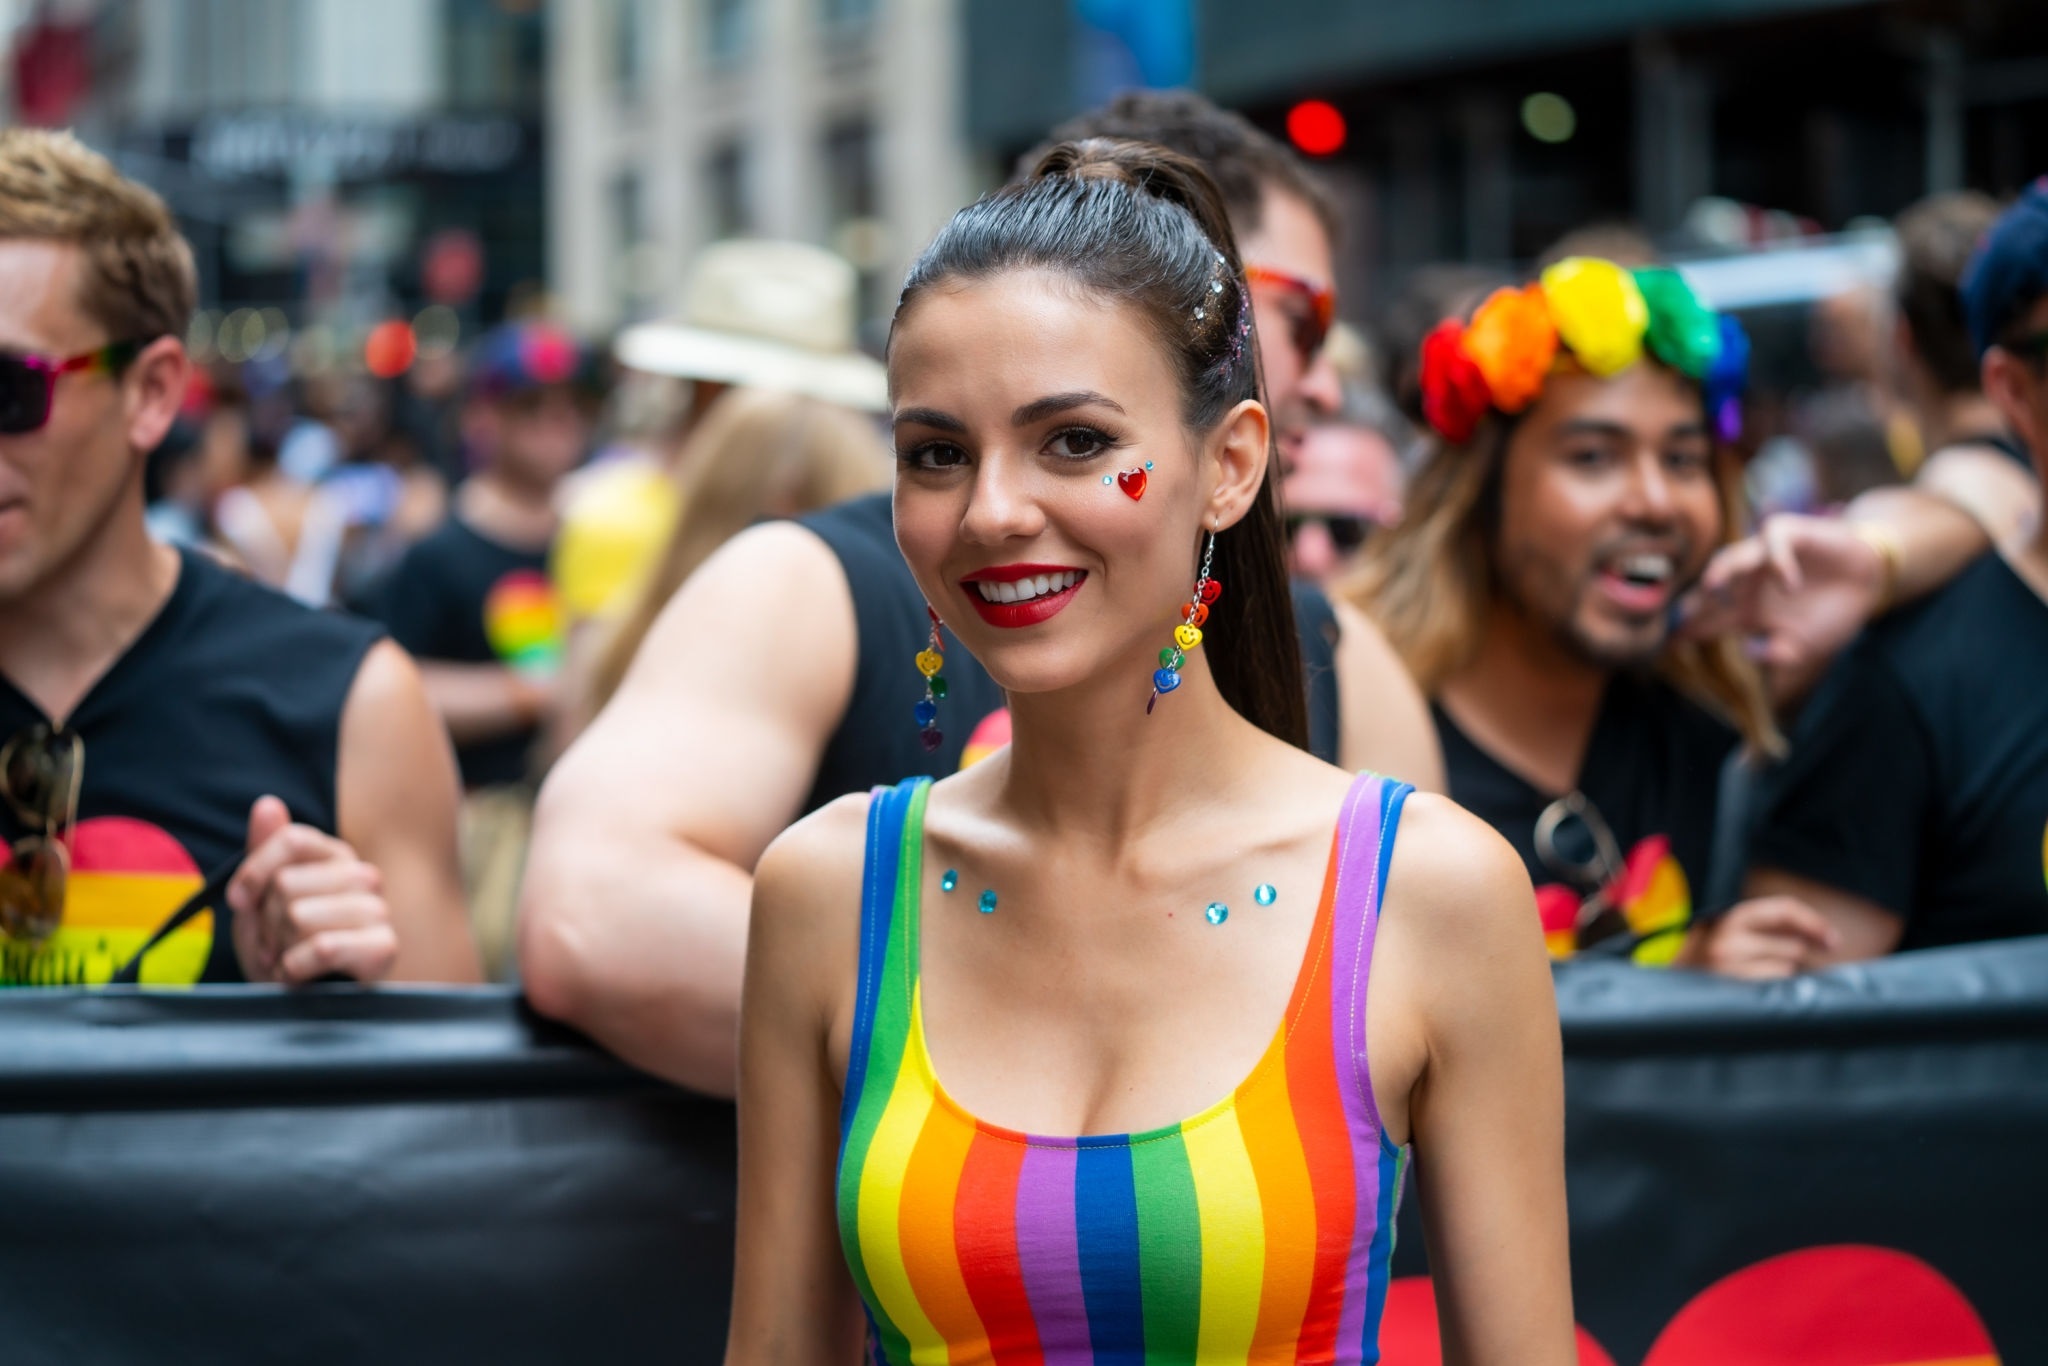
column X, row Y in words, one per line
column 333, row 161
column 676, row 123
column 1482, row 131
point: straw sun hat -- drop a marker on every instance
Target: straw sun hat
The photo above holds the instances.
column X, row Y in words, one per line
column 770, row 315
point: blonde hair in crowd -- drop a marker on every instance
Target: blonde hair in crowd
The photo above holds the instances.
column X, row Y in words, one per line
column 1429, row 581
column 139, row 282
column 756, row 453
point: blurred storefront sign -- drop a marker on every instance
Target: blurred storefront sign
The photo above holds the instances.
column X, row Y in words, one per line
column 268, row 143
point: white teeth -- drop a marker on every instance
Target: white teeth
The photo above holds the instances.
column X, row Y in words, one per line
column 1023, row 590
column 1647, row 567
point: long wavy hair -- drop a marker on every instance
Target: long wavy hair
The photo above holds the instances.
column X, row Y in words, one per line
column 1430, row 580
column 756, row 453
column 1136, row 223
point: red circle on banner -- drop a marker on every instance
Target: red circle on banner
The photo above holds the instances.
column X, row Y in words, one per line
column 1847, row 1305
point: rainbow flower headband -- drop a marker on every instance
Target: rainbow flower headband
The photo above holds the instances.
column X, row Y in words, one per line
column 1606, row 317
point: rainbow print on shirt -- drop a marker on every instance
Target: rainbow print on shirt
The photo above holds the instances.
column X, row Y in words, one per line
column 1652, row 893
column 523, row 622
column 127, row 876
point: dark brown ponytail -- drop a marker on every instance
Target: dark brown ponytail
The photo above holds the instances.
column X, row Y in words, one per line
column 1146, row 226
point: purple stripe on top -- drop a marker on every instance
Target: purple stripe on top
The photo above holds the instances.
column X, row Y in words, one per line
column 1354, row 917
column 1049, row 1252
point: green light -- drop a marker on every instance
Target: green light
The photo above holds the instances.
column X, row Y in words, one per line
column 1549, row 117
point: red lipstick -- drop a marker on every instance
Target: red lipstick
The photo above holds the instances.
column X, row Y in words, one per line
column 1030, row 611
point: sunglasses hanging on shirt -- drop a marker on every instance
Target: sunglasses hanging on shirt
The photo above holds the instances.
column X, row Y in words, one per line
column 41, row 770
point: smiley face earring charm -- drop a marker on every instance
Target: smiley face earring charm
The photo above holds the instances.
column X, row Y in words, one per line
column 1188, row 634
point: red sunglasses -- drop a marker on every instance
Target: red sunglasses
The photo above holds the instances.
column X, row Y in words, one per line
column 28, row 382
column 1306, row 329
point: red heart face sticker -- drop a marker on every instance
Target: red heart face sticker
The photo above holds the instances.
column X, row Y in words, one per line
column 1132, row 482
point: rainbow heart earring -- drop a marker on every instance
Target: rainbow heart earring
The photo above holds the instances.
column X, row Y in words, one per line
column 929, row 661
column 1188, row 634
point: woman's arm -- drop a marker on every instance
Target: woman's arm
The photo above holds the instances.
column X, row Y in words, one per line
column 793, row 1301
column 1465, row 966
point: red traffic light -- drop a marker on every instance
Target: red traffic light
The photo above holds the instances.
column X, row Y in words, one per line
column 1316, row 128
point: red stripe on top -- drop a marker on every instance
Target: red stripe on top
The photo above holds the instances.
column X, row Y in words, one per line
column 985, row 1238
column 1313, row 1086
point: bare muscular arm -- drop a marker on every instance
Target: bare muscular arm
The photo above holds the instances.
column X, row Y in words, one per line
column 634, row 909
column 398, row 796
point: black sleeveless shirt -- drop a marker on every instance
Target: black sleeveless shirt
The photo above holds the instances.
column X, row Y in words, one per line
column 877, row 741
column 231, row 693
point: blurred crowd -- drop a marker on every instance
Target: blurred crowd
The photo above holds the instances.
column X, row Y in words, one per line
column 1657, row 684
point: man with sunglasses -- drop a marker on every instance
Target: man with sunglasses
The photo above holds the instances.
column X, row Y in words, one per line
column 1344, row 481
column 634, row 913
column 202, row 781
column 1911, row 812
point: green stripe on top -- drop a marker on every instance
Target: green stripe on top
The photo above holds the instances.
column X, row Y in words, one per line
column 888, row 1032
column 905, row 971
column 1169, row 1242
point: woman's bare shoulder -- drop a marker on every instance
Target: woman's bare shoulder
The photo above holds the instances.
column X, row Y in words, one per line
column 807, row 889
column 1457, row 884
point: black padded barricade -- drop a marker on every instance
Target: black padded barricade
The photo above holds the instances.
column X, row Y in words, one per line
column 399, row 1176
column 238, row 1175
column 1803, row 1144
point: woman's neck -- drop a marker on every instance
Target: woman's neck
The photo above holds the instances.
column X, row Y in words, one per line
column 1088, row 764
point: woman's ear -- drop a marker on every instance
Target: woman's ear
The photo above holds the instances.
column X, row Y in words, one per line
column 2008, row 383
column 1241, row 445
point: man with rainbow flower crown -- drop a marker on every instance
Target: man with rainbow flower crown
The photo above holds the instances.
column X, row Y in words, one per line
column 1583, row 474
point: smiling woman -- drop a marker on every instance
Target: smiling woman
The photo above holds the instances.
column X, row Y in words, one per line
column 1164, row 1131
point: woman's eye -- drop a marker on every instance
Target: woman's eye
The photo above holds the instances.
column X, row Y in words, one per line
column 1588, row 458
column 934, row 455
column 1687, row 461
column 1078, row 443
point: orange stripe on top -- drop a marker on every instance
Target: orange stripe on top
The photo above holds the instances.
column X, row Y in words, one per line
column 1315, row 1101
column 1265, row 1113
column 933, row 1264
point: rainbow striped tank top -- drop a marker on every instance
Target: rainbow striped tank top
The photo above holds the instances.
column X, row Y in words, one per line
column 1260, row 1230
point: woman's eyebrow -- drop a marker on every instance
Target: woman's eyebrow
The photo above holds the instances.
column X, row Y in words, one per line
column 1615, row 431
column 1039, row 409
column 1587, row 426
column 928, row 417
